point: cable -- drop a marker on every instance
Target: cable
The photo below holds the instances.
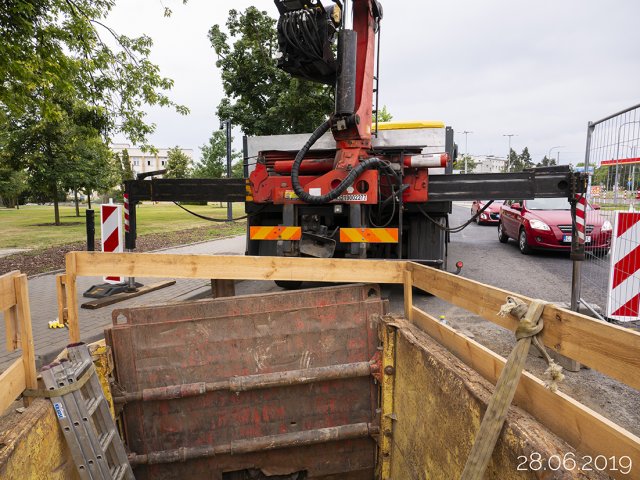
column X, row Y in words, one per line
column 219, row 220
column 459, row 228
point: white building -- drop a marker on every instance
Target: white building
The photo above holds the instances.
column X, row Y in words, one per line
column 489, row 164
column 142, row 162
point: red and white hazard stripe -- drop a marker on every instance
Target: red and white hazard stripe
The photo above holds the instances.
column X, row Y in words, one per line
column 111, row 233
column 623, row 299
column 581, row 212
column 126, row 213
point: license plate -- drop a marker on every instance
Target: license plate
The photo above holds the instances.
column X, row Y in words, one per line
column 568, row 238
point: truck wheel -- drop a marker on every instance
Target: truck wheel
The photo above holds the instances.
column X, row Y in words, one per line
column 502, row 237
column 525, row 249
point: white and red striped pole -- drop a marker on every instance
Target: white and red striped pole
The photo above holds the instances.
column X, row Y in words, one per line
column 623, row 295
column 111, row 233
column 581, row 214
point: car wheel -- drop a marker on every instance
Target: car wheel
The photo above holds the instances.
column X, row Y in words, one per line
column 525, row 249
column 502, row 237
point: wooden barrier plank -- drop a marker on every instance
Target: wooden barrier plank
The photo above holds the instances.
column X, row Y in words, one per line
column 235, row 267
column 26, row 335
column 12, row 332
column 12, row 381
column 7, row 290
column 581, row 427
column 610, row 349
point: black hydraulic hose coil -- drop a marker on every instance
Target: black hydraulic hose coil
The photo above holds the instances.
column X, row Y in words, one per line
column 336, row 192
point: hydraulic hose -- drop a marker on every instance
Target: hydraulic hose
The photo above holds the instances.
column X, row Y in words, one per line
column 336, row 192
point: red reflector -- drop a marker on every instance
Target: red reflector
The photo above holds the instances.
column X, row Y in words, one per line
column 459, row 265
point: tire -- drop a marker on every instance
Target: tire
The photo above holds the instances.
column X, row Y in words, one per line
column 288, row 284
column 525, row 249
column 502, row 237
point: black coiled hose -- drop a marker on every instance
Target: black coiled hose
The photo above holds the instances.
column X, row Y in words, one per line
column 336, row 192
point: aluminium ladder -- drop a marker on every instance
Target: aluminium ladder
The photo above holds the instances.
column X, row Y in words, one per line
column 84, row 416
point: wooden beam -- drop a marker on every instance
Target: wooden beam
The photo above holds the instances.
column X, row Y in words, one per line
column 7, row 290
column 234, row 267
column 12, row 384
column 610, row 349
column 581, row 427
column 121, row 297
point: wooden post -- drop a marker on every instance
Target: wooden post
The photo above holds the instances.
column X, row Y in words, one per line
column 408, row 292
column 61, row 284
column 26, row 335
column 223, row 288
column 72, row 299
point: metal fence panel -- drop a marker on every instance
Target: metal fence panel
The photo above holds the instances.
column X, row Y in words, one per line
column 613, row 160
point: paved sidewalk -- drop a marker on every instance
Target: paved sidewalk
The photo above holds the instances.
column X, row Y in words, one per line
column 42, row 295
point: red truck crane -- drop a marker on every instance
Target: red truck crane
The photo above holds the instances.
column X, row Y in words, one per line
column 351, row 188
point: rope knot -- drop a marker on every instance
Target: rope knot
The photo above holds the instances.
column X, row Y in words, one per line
column 530, row 326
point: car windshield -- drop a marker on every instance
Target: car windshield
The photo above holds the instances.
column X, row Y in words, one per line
column 548, row 204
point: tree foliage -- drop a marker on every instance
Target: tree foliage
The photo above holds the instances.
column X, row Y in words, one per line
column 517, row 163
column 546, row 162
column 54, row 49
column 260, row 98
column 66, row 153
column 178, row 164
column 13, row 183
column 459, row 164
column 384, row 115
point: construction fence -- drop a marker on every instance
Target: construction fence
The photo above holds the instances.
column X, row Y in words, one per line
column 610, row 279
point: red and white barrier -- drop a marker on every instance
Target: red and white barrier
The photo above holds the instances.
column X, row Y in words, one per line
column 111, row 233
column 623, row 299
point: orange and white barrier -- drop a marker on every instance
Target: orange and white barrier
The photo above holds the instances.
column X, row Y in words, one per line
column 275, row 233
column 369, row 235
column 111, row 233
column 623, row 299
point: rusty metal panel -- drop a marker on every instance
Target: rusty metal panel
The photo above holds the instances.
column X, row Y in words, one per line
column 214, row 340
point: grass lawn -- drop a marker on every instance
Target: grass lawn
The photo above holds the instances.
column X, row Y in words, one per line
column 32, row 226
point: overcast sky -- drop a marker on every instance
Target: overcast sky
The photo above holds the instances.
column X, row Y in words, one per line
column 540, row 70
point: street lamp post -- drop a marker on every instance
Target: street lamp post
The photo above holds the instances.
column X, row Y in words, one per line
column 466, row 148
column 509, row 153
column 226, row 124
column 553, row 148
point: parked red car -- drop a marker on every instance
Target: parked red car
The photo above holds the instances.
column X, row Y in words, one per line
column 491, row 215
column 545, row 224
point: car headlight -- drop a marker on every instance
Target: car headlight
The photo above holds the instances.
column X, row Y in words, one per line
column 483, row 216
column 539, row 225
column 606, row 226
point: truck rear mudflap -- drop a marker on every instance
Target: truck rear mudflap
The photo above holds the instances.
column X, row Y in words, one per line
column 276, row 384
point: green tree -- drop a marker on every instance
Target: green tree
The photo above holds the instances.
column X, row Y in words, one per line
column 54, row 152
column 127, row 169
column 517, row 163
column 13, row 183
column 63, row 48
column 546, row 162
column 459, row 163
column 237, row 170
column 178, row 164
column 260, row 98
column 214, row 157
column 384, row 115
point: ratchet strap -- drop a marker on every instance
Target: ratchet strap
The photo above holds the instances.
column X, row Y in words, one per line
column 59, row 392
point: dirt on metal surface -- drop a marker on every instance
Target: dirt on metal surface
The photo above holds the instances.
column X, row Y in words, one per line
column 215, row 340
